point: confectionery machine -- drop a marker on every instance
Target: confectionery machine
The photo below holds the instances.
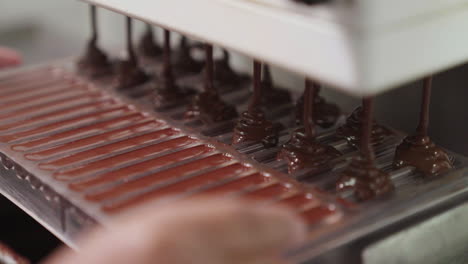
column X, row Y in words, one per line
column 82, row 139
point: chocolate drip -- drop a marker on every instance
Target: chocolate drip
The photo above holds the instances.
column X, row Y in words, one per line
column 95, row 62
column 129, row 72
column 351, row 130
column 273, row 96
column 325, row 114
column 208, row 106
column 167, row 92
column 224, row 74
column 148, row 46
column 253, row 125
column 418, row 150
column 302, row 150
column 361, row 176
column 184, row 63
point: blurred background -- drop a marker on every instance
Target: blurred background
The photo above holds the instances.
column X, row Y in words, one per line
column 51, row 29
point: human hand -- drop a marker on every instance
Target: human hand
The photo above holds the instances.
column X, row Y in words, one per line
column 9, row 58
column 195, row 232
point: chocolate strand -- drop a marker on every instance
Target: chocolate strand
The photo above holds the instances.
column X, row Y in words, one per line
column 308, row 115
column 267, row 78
column 94, row 33
column 209, row 87
column 167, row 66
column 425, row 105
column 257, row 87
column 130, row 49
column 366, row 145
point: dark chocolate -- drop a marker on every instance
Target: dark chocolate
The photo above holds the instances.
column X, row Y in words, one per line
column 325, row 114
column 94, row 63
column 129, row 72
column 418, row 150
column 302, row 150
column 253, row 126
column 167, row 92
column 148, row 46
column 184, row 63
column 351, row 130
column 273, row 96
column 361, row 176
column 208, row 106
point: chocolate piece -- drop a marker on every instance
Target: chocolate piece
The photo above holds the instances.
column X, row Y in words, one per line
column 302, row 150
column 361, row 176
column 351, row 130
column 325, row 114
column 253, row 126
column 129, row 72
column 184, row 63
column 208, row 106
column 148, row 46
column 224, row 74
column 95, row 62
column 418, row 150
column 273, row 96
column 167, row 92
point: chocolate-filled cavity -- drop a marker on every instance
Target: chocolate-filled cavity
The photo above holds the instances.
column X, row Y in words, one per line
column 325, row 114
column 364, row 179
column 166, row 91
column 361, row 176
column 253, row 126
column 94, row 63
column 272, row 96
column 302, row 150
column 129, row 73
column 418, row 150
column 208, row 106
column 184, row 63
column 148, row 46
column 351, row 130
column 224, row 74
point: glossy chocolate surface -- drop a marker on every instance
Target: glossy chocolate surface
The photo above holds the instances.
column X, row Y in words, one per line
column 208, row 106
column 303, row 150
column 351, row 130
column 129, row 72
column 94, row 62
column 418, row 150
column 361, row 175
column 253, row 126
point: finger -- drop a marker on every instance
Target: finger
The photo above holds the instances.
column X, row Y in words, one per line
column 195, row 232
column 9, row 58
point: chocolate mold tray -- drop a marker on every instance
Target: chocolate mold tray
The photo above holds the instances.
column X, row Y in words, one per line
column 74, row 152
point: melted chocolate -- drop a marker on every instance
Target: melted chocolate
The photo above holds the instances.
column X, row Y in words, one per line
column 302, row 150
column 253, row 125
column 272, row 96
column 361, row 176
column 418, row 150
column 148, row 46
column 351, row 130
column 325, row 114
column 184, row 63
column 224, row 74
column 167, row 92
column 129, row 72
column 95, row 62
column 208, row 106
